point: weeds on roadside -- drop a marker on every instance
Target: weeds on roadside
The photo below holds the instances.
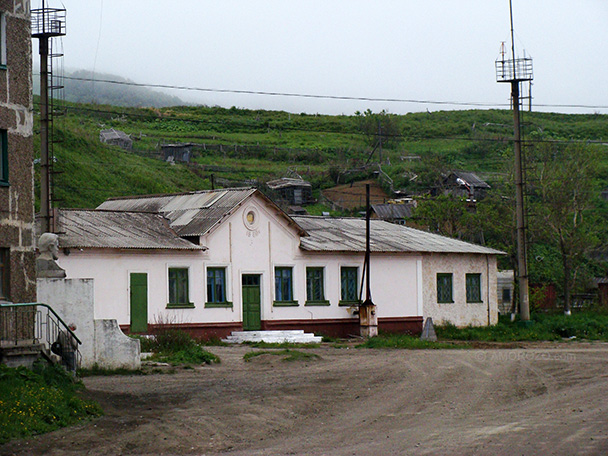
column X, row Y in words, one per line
column 174, row 346
column 40, row 400
column 584, row 325
column 405, row 341
column 288, row 355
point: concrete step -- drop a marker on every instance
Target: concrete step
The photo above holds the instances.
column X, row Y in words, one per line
column 290, row 336
column 20, row 354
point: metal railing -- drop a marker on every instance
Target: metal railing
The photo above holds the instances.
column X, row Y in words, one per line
column 48, row 22
column 38, row 323
column 518, row 70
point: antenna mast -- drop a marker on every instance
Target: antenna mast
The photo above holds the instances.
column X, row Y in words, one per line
column 515, row 71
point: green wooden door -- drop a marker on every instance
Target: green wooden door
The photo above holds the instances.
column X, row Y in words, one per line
column 252, row 311
column 139, row 301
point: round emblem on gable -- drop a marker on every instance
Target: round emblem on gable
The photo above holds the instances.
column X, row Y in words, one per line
column 251, row 218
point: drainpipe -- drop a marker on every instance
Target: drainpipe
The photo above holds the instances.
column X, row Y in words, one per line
column 488, row 287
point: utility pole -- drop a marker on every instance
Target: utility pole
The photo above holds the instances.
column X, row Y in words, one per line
column 368, row 320
column 515, row 71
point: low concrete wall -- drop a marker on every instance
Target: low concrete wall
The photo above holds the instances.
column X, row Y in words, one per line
column 73, row 301
column 103, row 343
column 113, row 349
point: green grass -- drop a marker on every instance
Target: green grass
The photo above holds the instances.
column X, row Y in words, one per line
column 287, row 354
column 584, row 326
column 405, row 341
column 100, row 371
column 40, row 400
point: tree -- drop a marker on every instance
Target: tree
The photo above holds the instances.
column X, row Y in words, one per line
column 561, row 200
column 381, row 126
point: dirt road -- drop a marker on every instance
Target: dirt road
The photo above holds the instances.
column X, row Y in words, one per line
column 534, row 401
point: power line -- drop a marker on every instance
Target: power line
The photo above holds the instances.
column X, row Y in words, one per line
column 283, row 128
column 288, row 94
column 328, row 97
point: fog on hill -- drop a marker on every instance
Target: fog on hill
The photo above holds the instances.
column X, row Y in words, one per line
column 88, row 87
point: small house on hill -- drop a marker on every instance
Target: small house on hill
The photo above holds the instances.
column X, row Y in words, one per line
column 216, row 261
column 393, row 212
column 116, row 138
column 295, row 192
column 352, row 196
column 466, row 184
column 179, row 152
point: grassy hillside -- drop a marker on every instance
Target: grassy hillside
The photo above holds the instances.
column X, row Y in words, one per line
column 238, row 145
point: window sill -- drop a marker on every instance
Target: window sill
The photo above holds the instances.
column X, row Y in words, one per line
column 349, row 303
column 218, row 305
column 3, row 66
column 445, row 302
column 474, row 302
column 184, row 305
column 285, row 303
column 317, row 303
column 4, row 184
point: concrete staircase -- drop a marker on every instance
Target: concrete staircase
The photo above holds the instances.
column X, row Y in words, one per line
column 294, row 337
column 21, row 353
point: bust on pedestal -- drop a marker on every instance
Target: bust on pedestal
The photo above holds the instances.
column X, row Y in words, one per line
column 46, row 266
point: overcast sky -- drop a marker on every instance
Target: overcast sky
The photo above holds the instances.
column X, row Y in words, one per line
column 433, row 50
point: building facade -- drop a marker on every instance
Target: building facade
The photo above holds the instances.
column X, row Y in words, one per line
column 231, row 259
column 17, row 262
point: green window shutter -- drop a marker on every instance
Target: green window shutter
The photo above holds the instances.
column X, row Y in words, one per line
column 473, row 286
column 444, row 288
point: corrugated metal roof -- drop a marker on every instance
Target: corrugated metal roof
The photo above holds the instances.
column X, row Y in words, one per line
column 114, row 134
column 392, row 211
column 118, row 230
column 328, row 234
column 189, row 214
column 287, row 182
column 471, row 178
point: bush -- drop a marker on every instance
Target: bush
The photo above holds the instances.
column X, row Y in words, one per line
column 584, row 325
column 175, row 346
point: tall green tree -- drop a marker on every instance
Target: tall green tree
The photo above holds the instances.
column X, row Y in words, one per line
column 562, row 199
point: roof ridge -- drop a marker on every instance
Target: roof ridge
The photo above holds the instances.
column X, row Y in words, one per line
column 193, row 192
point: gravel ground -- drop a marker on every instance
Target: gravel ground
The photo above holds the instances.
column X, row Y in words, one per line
column 548, row 399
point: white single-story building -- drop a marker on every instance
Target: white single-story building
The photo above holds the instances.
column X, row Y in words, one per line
column 222, row 260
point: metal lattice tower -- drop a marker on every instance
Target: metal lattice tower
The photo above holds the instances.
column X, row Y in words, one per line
column 47, row 23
